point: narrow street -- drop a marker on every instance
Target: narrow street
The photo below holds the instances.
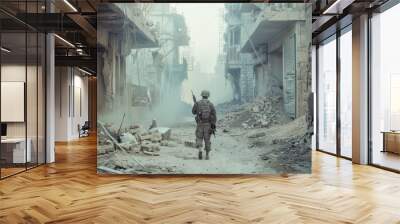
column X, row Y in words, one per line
column 230, row 154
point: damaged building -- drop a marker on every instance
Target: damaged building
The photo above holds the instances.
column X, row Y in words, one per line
column 121, row 30
column 139, row 56
column 267, row 54
column 238, row 65
column 161, row 69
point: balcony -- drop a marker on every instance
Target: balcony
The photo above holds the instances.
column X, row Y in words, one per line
column 233, row 56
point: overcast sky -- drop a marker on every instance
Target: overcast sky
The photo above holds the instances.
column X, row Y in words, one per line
column 202, row 20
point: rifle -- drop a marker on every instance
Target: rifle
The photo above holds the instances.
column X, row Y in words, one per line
column 194, row 97
column 213, row 130
column 194, row 102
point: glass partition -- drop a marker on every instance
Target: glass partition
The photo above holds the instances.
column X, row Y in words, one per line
column 385, row 89
column 31, row 98
column 346, row 93
column 22, row 90
column 13, row 105
column 41, row 96
column 327, row 96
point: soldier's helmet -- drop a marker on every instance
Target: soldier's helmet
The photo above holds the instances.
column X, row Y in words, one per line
column 205, row 93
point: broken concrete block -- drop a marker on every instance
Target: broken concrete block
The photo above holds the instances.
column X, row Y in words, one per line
column 264, row 124
column 135, row 148
column 120, row 162
column 145, row 147
column 164, row 131
column 255, row 109
column 150, row 153
column 146, row 142
column 257, row 135
column 155, row 148
column 125, row 146
column 102, row 149
column 150, row 147
column 128, row 138
column 156, row 137
column 145, row 137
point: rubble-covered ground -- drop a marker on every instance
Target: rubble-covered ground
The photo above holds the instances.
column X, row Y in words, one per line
column 253, row 138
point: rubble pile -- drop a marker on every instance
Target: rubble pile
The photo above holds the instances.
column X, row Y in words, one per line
column 117, row 148
column 291, row 154
column 263, row 112
column 135, row 139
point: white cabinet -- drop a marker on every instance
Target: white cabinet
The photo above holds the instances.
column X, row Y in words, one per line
column 17, row 145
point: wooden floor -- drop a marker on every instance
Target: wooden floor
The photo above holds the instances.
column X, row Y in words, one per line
column 70, row 191
column 386, row 159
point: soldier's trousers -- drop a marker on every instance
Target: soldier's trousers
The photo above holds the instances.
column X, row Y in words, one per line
column 203, row 133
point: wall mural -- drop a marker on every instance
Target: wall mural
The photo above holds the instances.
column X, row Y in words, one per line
column 196, row 88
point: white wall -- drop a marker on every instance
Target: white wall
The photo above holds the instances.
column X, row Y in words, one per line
column 70, row 83
column 34, row 125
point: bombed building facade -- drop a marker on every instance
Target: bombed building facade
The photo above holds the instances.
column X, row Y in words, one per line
column 139, row 58
column 267, row 54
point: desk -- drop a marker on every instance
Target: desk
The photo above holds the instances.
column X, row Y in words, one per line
column 391, row 141
column 13, row 150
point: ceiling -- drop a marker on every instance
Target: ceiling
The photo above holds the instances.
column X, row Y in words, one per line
column 76, row 22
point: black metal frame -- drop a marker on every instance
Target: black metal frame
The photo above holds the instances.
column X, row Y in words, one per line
column 389, row 4
column 381, row 9
column 338, row 152
column 44, row 80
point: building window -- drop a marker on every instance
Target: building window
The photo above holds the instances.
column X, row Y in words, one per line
column 346, row 93
column 235, row 36
column 327, row 95
column 385, row 89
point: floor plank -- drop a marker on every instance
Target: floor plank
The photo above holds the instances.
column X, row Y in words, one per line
column 70, row 191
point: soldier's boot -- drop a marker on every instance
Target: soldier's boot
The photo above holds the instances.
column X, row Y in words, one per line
column 207, row 155
column 200, row 155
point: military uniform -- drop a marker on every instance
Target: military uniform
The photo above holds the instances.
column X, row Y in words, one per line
column 206, row 119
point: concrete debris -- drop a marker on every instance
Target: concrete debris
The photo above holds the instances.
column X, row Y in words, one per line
column 258, row 143
column 291, row 154
column 150, row 153
column 145, row 137
column 257, row 135
column 164, row 143
column 150, row 147
column 103, row 149
column 128, row 138
column 134, row 139
column 168, row 143
column 164, row 131
column 107, row 170
column 263, row 112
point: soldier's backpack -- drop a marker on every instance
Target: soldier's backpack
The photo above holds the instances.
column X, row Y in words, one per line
column 204, row 111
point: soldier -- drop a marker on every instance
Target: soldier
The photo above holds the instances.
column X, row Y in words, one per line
column 206, row 119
